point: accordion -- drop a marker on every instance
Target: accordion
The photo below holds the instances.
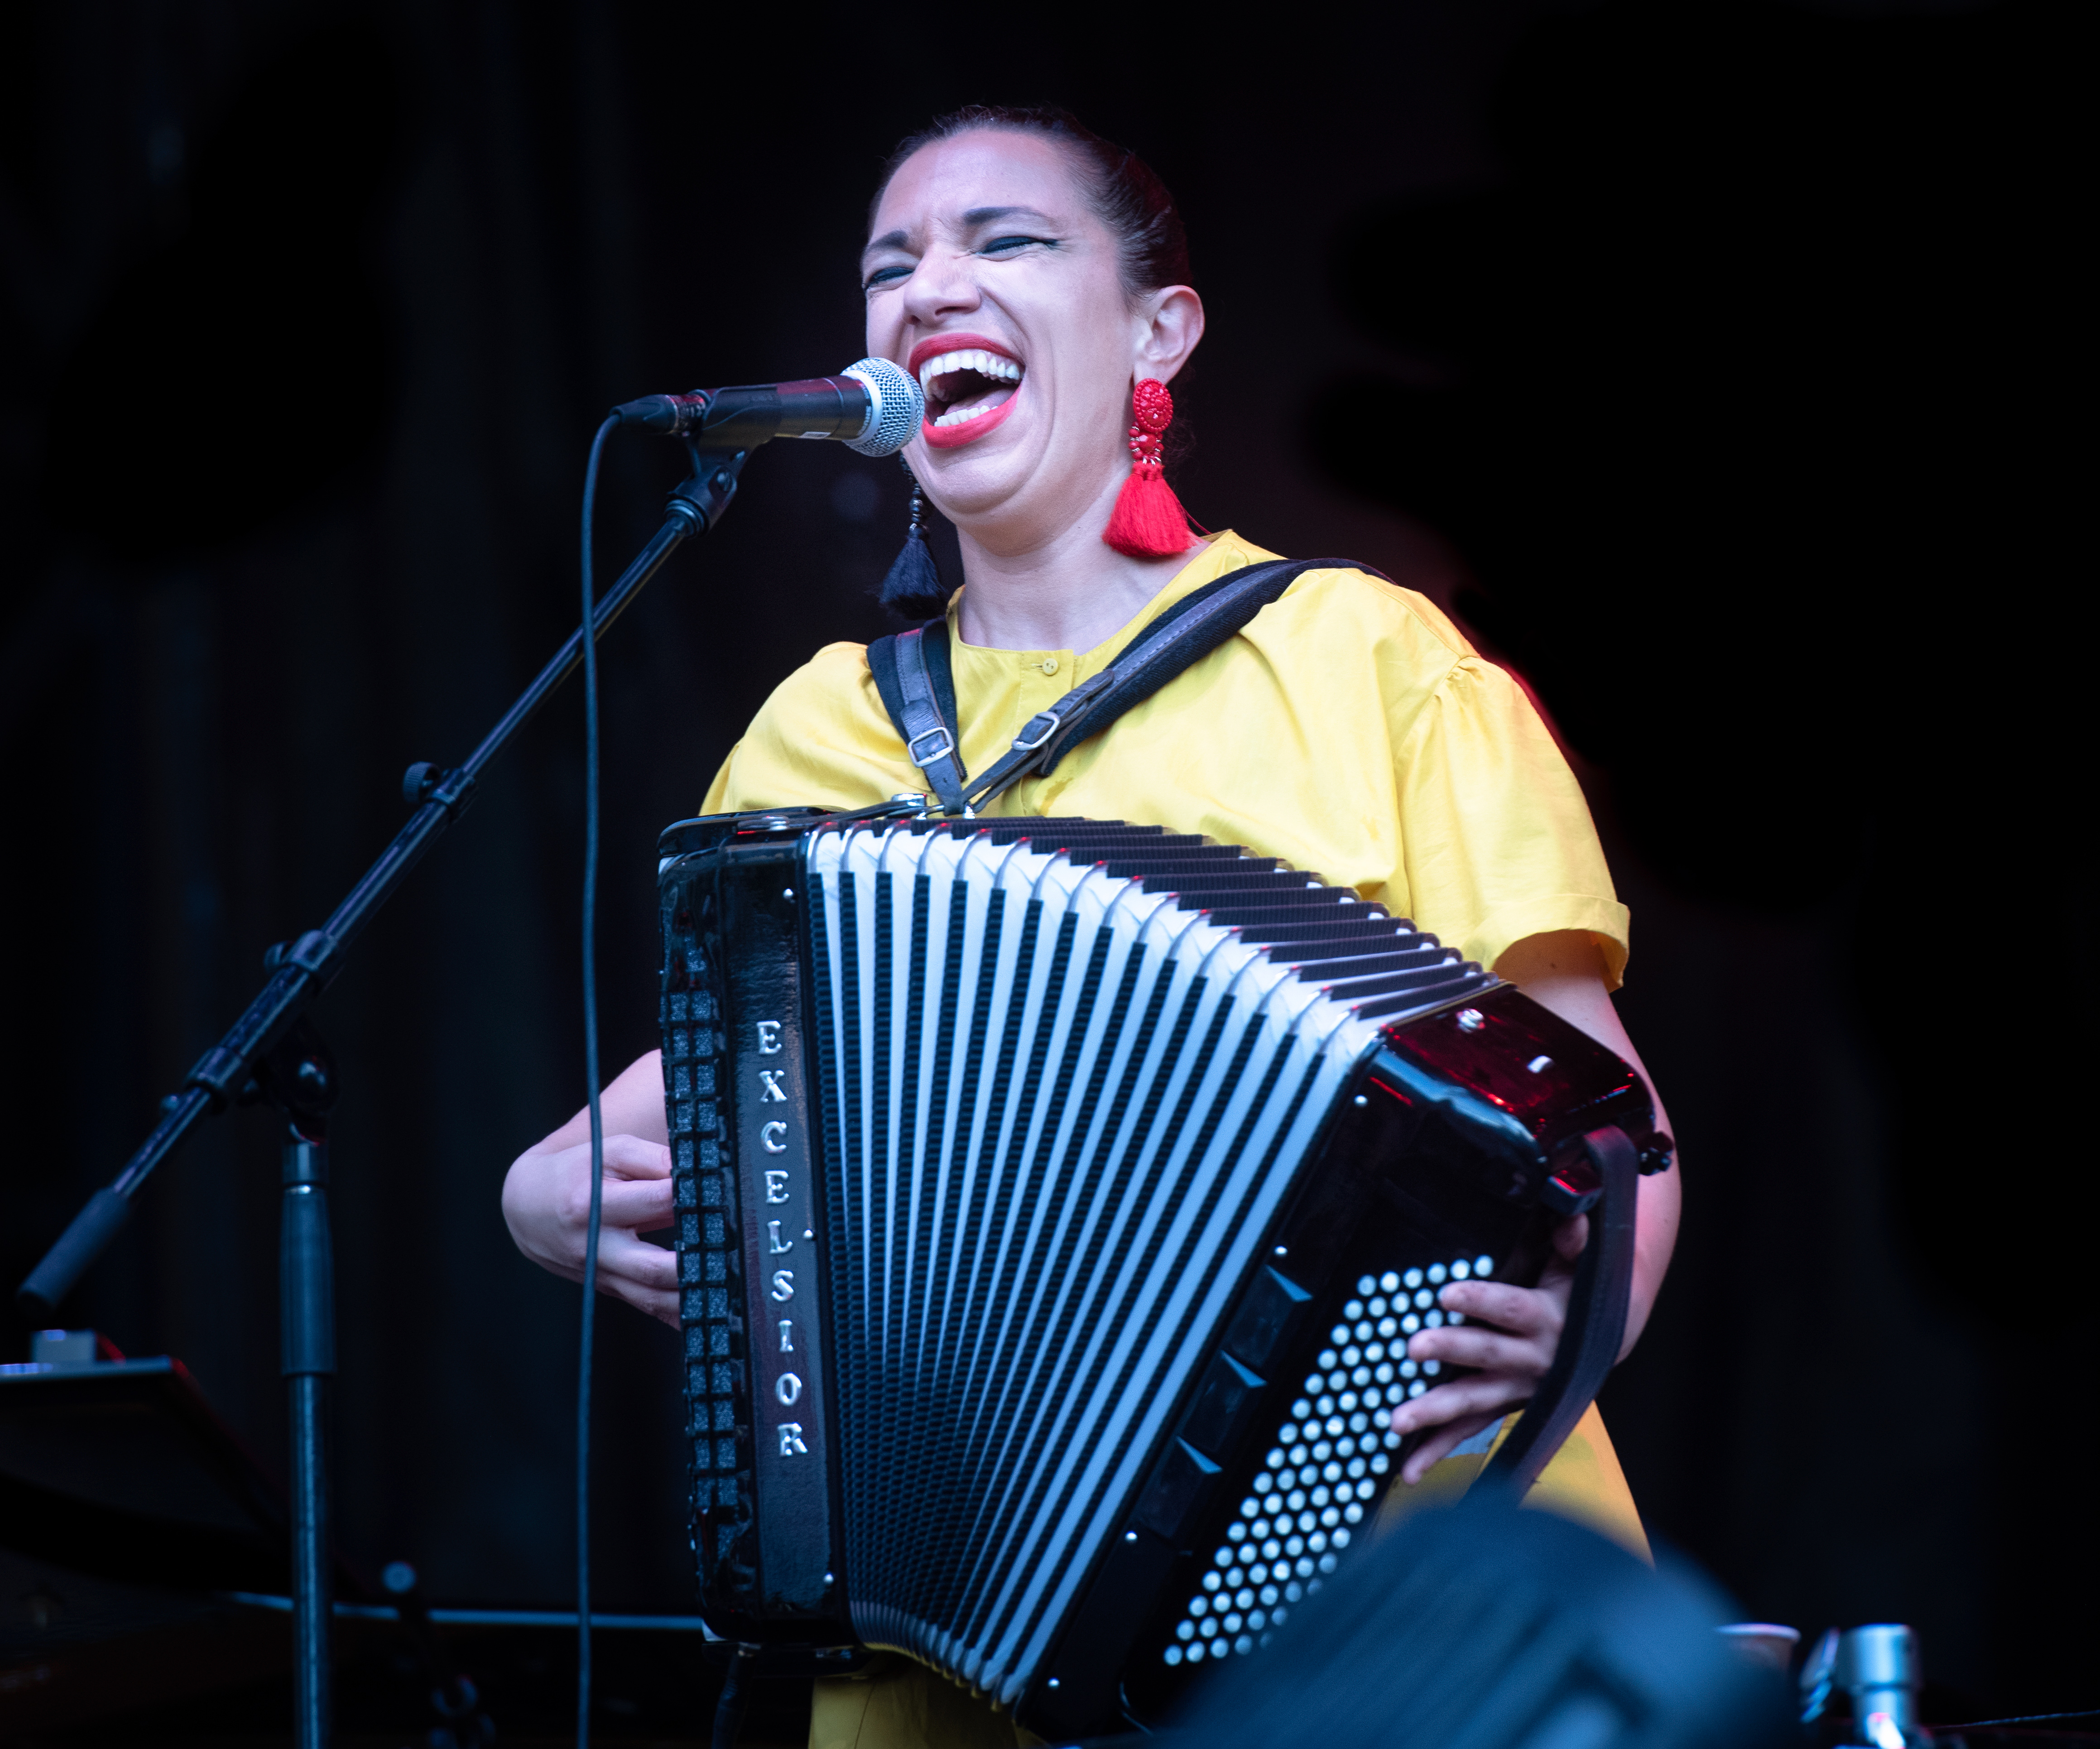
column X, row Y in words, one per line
column 1055, row 1198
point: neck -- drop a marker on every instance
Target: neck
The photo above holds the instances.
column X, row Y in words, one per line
column 1064, row 589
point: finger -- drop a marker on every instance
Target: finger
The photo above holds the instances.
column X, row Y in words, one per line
column 1519, row 1310
column 655, row 1301
column 643, row 1204
column 1461, row 1397
column 622, row 1255
column 628, row 1269
column 622, row 1202
column 551, row 1240
column 1570, row 1236
column 1440, row 1445
column 634, row 1157
column 625, row 1157
column 1486, row 1350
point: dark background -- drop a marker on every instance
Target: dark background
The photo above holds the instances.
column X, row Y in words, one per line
column 1706, row 361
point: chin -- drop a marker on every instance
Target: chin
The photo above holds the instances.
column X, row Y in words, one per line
column 974, row 480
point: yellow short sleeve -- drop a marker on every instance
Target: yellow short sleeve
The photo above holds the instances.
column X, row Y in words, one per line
column 822, row 740
column 1495, row 833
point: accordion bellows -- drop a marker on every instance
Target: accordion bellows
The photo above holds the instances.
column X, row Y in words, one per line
column 1006, row 1157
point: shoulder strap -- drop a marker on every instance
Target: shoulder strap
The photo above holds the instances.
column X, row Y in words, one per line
column 1186, row 633
column 912, row 673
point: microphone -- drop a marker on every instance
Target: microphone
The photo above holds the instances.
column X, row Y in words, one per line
column 873, row 406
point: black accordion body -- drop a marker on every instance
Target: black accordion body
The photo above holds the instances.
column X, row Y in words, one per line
column 1055, row 1199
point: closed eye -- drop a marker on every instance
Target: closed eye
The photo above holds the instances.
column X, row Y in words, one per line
column 1008, row 245
column 886, row 277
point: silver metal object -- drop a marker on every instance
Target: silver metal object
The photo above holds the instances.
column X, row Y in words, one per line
column 1471, row 1020
column 900, row 404
column 1766, row 1643
column 944, row 743
column 1878, row 1667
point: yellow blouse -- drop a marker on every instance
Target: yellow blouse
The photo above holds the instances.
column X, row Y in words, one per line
column 1348, row 729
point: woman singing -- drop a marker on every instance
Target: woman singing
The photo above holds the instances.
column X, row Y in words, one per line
column 1034, row 276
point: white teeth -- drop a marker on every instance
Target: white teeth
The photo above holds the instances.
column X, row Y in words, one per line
column 989, row 365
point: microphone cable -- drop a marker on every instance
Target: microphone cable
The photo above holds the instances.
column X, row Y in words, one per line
column 591, row 1087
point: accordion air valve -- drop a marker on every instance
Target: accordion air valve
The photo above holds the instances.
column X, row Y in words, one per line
column 1055, row 1199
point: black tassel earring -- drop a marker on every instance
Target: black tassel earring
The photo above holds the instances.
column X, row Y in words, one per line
column 913, row 587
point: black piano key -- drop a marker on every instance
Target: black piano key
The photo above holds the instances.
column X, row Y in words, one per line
column 1410, row 952
column 1296, row 936
column 1304, row 905
column 1051, row 835
column 1230, row 880
column 1121, row 867
column 1359, row 990
column 1465, row 978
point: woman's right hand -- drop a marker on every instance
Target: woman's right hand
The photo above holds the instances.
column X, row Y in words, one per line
column 546, row 1196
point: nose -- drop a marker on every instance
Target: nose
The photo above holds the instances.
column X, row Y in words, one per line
column 942, row 285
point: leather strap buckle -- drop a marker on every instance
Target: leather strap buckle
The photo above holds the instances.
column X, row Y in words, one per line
column 945, row 746
column 1024, row 743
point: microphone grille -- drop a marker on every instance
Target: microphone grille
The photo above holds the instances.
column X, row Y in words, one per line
column 899, row 406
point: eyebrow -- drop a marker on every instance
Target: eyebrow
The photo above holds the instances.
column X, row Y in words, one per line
column 972, row 220
column 986, row 215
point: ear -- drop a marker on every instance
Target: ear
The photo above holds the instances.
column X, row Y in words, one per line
column 1170, row 323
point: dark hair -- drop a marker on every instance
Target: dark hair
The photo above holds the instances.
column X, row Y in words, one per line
column 1122, row 189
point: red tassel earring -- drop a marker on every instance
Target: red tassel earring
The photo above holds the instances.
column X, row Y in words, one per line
column 1148, row 521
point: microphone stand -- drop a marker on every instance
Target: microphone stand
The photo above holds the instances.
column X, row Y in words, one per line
column 272, row 1053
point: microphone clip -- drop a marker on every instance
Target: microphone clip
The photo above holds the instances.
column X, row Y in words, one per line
column 705, row 492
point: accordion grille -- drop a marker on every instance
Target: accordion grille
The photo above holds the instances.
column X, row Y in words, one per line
column 1061, row 1112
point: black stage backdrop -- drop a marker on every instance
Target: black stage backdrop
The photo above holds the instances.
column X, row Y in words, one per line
column 1706, row 361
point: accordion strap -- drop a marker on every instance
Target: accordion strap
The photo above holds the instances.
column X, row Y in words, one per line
column 923, row 709
column 1596, row 1319
column 918, row 690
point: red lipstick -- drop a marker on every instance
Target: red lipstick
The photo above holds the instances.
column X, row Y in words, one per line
column 955, row 436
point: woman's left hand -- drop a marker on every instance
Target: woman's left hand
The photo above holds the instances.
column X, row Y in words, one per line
column 1511, row 1333
column 1509, row 1336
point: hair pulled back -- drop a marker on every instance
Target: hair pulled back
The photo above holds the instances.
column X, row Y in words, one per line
column 1124, row 192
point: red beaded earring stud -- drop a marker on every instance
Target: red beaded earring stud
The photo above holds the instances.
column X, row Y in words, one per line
column 1148, row 521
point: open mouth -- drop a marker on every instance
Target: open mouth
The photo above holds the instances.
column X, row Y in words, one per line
column 965, row 384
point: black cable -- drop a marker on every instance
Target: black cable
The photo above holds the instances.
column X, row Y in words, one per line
column 2032, row 1718
column 591, row 1097
column 735, row 1701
